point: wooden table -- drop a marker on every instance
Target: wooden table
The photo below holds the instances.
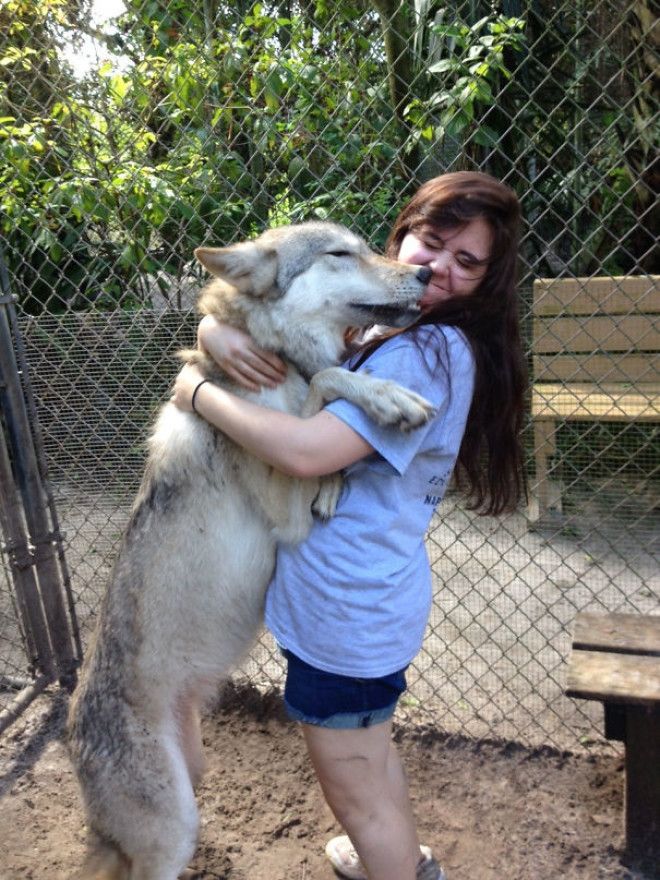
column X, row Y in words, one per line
column 616, row 659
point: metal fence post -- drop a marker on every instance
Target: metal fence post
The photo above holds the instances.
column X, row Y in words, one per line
column 32, row 535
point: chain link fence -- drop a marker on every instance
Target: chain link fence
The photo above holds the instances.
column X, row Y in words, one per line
column 130, row 134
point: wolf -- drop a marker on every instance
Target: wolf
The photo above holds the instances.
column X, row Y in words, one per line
column 185, row 598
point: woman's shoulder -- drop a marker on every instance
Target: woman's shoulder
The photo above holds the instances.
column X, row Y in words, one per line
column 427, row 334
column 436, row 347
column 448, row 342
column 456, row 339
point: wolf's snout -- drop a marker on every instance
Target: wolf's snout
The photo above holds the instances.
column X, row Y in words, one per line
column 423, row 274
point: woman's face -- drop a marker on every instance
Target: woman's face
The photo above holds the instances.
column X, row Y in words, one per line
column 458, row 257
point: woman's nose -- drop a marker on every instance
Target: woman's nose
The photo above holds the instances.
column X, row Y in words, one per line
column 440, row 262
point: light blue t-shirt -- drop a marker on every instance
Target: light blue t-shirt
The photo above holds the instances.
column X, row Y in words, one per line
column 354, row 597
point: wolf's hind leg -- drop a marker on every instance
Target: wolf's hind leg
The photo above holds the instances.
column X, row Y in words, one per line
column 104, row 862
column 150, row 811
column 170, row 834
column 168, row 853
column 190, row 735
column 325, row 502
column 156, row 867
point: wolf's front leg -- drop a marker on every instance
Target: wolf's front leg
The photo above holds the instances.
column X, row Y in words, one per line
column 383, row 400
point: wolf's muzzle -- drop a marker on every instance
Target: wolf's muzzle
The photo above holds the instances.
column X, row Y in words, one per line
column 391, row 316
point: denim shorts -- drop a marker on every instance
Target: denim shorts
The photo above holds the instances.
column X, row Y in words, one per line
column 324, row 699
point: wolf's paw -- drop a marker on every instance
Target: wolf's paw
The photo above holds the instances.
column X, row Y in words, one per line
column 396, row 406
column 325, row 503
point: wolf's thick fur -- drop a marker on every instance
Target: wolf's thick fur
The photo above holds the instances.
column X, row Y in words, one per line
column 185, row 598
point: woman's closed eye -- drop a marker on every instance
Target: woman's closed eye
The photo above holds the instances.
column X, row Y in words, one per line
column 468, row 261
column 464, row 259
column 432, row 243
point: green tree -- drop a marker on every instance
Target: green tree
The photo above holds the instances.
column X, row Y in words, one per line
column 213, row 119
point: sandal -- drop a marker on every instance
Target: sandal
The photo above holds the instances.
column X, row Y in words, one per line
column 346, row 862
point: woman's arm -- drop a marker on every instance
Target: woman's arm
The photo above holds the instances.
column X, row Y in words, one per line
column 239, row 356
column 296, row 446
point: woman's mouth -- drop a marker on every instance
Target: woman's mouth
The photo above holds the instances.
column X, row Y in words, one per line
column 433, row 294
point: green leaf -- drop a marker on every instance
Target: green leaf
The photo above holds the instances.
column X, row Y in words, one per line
column 443, row 30
column 486, row 137
column 454, row 124
column 442, row 66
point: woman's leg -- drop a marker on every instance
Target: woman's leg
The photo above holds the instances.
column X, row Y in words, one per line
column 365, row 786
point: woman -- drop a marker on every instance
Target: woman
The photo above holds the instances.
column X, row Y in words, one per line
column 349, row 605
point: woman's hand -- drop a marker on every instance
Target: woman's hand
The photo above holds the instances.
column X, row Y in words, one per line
column 238, row 356
column 184, row 387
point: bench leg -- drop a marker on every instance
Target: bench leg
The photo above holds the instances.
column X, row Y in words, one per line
column 642, row 793
column 546, row 496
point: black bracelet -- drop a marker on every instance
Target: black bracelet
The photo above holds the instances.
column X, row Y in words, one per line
column 194, row 394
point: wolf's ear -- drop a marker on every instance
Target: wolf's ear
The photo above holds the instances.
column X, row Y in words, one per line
column 248, row 266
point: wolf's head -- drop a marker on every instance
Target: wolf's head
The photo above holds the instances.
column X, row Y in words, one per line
column 312, row 279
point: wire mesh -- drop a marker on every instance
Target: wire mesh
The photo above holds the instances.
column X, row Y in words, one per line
column 130, row 135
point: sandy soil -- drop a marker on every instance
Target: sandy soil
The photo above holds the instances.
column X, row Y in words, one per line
column 490, row 810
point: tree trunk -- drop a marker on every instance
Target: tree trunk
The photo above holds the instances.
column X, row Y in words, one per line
column 398, row 30
column 640, row 146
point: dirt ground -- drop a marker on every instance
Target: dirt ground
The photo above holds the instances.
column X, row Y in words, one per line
column 490, row 810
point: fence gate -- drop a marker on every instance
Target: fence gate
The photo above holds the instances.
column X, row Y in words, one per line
column 39, row 640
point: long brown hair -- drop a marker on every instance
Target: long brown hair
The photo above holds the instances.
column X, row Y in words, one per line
column 489, row 465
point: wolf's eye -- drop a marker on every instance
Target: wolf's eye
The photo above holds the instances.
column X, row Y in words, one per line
column 339, row 254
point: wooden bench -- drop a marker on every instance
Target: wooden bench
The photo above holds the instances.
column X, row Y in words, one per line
column 596, row 345
column 616, row 659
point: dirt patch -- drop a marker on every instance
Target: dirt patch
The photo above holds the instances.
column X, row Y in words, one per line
column 490, row 810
